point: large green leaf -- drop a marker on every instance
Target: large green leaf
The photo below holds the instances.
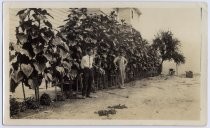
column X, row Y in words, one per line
column 48, row 77
column 60, row 69
column 40, row 67
column 58, row 41
column 47, row 23
column 17, row 76
column 41, row 59
column 77, row 64
column 21, row 12
column 63, row 53
column 73, row 73
column 13, row 85
column 22, row 37
column 33, row 83
column 67, row 65
column 39, row 17
column 19, row 49
column 48, row 56
column 79, row 49
column 27, row 69
column 37, row 49
column 23, row 16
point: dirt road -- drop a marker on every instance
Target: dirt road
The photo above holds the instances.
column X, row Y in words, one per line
column 163, row 98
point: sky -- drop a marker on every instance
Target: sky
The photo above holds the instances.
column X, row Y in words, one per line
column 185, row 24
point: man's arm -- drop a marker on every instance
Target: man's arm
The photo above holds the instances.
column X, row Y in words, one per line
column 115, row 60
column 126, row 61
column 82, row 62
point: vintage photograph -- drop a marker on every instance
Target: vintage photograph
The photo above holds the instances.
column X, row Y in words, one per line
column 106, row 63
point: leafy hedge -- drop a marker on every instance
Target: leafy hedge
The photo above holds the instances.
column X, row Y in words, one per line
column 107, row 36
column 43, row 52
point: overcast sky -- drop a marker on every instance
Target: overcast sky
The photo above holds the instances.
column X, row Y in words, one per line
column 185, row 23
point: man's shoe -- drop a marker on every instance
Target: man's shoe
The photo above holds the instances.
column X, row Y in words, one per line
column 89, row 97
column 121, row 87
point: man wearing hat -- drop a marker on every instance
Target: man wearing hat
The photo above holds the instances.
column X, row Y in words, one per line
column 121, row 63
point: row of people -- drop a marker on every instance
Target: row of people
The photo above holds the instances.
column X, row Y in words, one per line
column 87, row 64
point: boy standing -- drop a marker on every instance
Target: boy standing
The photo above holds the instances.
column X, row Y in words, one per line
column 121, row 62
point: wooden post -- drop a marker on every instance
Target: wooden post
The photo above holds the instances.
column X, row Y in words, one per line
column 38, row 93
column 24, row 95
column 177, row 69
column 77, row 84
column 35, row 93
column 55, row 92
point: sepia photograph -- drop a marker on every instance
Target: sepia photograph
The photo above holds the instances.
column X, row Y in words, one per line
column 87, row 63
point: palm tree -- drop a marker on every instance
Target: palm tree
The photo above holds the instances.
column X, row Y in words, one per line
column 168, row 46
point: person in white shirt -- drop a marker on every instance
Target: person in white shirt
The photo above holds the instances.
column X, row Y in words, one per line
column 87, row 65
column 121, row 63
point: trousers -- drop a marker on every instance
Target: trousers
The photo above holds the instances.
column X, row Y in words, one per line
column 122, row 76
column 87, row 81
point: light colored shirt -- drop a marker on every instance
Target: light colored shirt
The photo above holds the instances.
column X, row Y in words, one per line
column 121, row 62
column 87, row 61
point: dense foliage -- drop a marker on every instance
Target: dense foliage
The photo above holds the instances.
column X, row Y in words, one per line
column 45, row 99
column 31, row 103
column 107, row 36
column 14, row 107
column 168, row 47
column 41, row 52
column 38, row 53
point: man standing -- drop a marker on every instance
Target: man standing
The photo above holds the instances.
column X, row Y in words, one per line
column 87, row 65
column 121, row 62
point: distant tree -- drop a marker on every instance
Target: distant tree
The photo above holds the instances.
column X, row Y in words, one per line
column 168, row 46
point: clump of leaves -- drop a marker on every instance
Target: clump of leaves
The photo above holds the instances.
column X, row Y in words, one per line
column 60, row 97
column 119, row 106
column 23, row 106
column 31, row 103
column 106, row 112
column 14, row 107
column 45, row 99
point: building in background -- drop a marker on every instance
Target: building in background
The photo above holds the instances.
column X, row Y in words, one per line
column 130, row 15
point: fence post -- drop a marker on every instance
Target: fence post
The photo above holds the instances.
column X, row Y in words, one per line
column 24, row 95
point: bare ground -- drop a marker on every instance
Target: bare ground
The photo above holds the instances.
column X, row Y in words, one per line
column 162, row 98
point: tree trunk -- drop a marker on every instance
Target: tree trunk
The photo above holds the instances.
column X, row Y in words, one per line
column 38, row 93
column 24, row 95
column 35, row 93
column 161, row 67
column 177, row 69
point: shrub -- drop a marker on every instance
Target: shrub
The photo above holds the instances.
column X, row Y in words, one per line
column 60, row 97
column 14, row 107
column 45, row 99
column 23, row 106
column 31, row 103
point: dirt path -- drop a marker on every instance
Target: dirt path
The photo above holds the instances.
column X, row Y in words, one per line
column 152, row 98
